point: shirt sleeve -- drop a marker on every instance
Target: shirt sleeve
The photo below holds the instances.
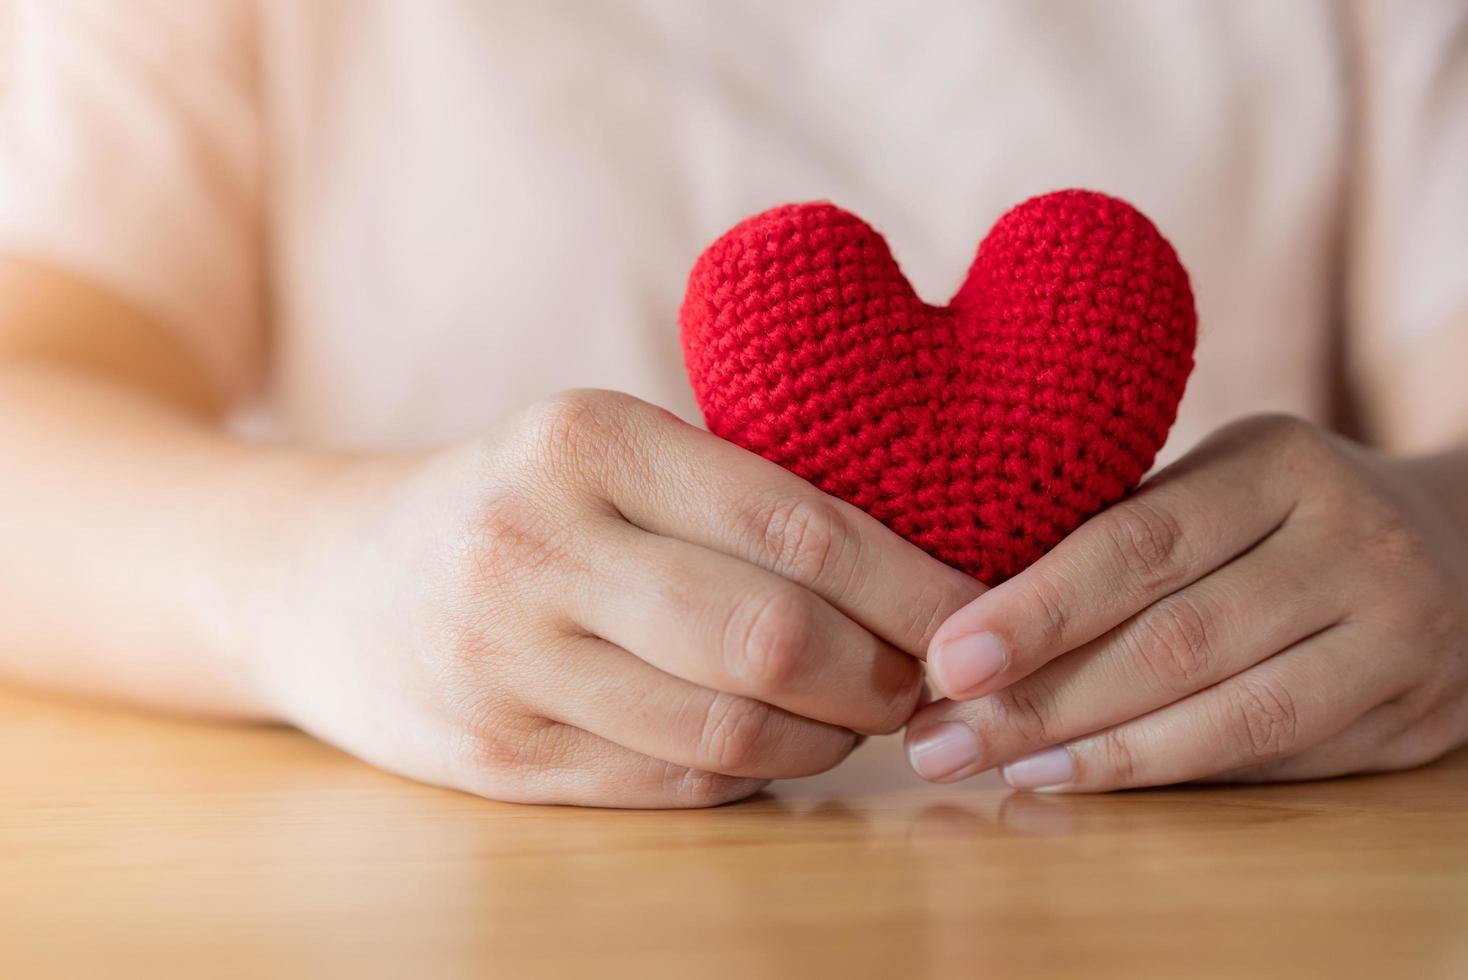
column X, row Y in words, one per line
column 130, row 155
column 1407, row 222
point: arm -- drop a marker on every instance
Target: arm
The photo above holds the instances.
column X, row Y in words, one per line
column 133, row 531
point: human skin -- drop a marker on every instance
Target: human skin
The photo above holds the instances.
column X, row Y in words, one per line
column 1280, row 604
column 591, row 602
column 594, row 603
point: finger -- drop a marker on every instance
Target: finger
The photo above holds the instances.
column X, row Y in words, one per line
column 1388, row 738
column 1255, row 606
column 682, row 482
column 1282, row 707
column 607, row 691
column 560, row 764
column 1190, row 520
column 727, row 625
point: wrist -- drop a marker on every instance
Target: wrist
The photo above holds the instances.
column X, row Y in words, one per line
column 251, row 537
column 304, row 527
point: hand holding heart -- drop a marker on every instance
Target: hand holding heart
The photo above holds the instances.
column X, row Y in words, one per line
column 597, row 603
column 1279, row 605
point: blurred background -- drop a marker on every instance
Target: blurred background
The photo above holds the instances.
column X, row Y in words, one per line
column 5, row 17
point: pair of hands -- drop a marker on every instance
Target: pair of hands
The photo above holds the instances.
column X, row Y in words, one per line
column 599, row 604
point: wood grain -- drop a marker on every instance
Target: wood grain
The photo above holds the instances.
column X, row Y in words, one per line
column 133, row 845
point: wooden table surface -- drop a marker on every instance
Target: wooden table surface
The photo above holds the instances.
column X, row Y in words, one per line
column 133, row 845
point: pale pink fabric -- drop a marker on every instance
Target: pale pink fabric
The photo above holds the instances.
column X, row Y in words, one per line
column 387, row 224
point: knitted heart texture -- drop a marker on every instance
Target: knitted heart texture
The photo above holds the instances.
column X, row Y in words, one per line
column 983, row 431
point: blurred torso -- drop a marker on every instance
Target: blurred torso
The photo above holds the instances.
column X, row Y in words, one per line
column 473, row 205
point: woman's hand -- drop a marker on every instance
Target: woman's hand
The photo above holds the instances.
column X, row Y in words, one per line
column 597, row 603
column 1281, row 604
column 592, row 603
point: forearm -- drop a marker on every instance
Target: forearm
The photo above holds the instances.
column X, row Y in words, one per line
column 137, row 541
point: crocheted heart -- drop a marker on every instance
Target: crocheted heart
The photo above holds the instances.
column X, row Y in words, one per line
column 983, row 431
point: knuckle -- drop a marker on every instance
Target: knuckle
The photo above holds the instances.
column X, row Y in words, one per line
column 1283, row 426
column 1118, row 758
column 1025, row 708
column 767, row 637
column 497, row 742
column 1051, row 611
column 1278, row 430
column 499, row 750
column 698, row 788
column 928, row 610
column 805, row 539
column 1149, row 539
column 562, row 424
column 574, row 430
column 468, row 647
column 1427, row 737
column 1268, row 720
column 511, row 539
column 1294, row 443
column 732, row 734
column 1174, row 643
column 1409, row 753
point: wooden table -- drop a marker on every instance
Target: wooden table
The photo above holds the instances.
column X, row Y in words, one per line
column 140, row 846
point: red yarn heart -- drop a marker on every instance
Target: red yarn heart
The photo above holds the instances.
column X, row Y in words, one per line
column 983, row 431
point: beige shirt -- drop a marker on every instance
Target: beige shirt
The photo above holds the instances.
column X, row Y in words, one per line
column 385, row 224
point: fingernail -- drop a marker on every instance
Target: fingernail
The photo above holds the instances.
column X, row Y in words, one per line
column 962, row 664
column 943, row 750
column 1042, row 770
